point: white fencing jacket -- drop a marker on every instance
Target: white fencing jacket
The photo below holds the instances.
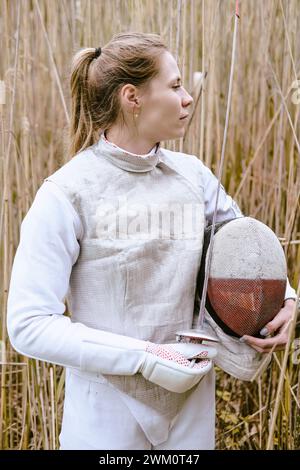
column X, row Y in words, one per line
column 118, row 277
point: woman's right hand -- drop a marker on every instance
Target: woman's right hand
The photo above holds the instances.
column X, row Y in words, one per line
column 177, row 367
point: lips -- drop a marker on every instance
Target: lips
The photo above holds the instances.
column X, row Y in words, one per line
column 184, row 117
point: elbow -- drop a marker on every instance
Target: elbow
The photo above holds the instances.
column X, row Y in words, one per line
column 32, row 334
column 20, row 330
column 15, row 333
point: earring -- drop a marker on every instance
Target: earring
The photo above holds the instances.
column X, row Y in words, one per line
column 136, row 115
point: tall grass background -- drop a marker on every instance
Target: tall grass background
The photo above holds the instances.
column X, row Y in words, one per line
column 262, row 169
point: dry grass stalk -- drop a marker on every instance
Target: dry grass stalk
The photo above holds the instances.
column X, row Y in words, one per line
column 262, row 170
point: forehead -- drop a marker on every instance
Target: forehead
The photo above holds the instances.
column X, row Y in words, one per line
column 168, row 68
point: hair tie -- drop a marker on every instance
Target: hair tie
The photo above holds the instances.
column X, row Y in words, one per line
column 97, row 52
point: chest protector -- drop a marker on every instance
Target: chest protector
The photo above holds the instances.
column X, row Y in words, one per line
column 127, row 279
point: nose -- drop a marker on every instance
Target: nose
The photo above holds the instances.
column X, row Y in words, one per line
column 188, row 99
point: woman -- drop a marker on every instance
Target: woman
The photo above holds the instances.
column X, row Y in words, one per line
column 99, row 232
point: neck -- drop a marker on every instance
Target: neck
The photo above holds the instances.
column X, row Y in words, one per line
column 128, row 142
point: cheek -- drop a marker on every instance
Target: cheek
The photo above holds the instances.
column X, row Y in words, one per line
column 170, row 105
column 164, row 108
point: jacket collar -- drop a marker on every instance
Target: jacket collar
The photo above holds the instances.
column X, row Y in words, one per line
column 127, row 160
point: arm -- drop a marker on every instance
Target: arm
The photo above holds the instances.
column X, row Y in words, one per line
column 227, row 207
column 48, row 248
column 231, row 348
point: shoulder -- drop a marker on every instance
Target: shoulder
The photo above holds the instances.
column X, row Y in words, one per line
column 83, row 171
column 180, row 158
column 75, row 169
column 51, row 208
column 186, row 164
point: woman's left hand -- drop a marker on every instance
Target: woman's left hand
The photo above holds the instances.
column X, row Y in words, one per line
column 279, row 326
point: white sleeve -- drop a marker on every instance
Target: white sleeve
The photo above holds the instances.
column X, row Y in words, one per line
column 49, row 246
column 40, row 277
column 227, row 209
column 290, row 292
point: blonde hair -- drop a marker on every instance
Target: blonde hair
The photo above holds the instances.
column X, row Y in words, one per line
column 96, row 82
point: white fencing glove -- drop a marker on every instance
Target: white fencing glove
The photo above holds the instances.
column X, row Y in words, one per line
column 176, row 367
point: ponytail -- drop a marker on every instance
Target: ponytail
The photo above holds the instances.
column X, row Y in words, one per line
column 81, row 126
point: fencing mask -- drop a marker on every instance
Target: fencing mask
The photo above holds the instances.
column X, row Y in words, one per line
column 247, row 279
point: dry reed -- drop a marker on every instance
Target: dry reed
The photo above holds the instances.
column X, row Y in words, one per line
column 261, row 171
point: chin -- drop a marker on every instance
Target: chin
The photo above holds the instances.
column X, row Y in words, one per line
column 181, row 133
column 176, row 136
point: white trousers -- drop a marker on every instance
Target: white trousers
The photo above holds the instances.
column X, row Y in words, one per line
column 107, row 423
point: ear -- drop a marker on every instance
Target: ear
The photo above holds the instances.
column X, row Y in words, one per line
column 129, row 97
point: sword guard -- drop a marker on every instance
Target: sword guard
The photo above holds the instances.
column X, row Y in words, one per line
column 195, row 336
